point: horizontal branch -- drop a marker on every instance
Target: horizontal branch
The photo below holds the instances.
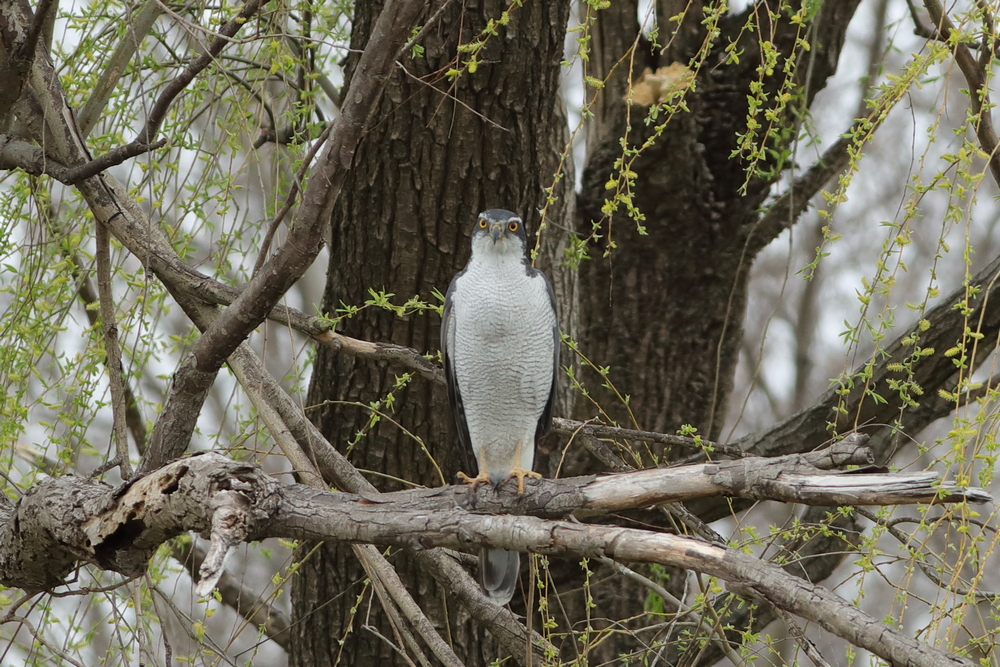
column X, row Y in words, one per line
column 304, row 514
column 62, row 520
column 796, row 478
column 15, row 154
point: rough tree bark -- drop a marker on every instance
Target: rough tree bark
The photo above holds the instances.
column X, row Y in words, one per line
column 66, row 520
column 664, row 310
column 439, row 152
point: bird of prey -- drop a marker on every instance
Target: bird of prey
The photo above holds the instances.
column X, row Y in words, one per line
column 500, row 343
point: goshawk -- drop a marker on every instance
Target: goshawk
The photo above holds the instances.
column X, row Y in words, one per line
column 500, row 342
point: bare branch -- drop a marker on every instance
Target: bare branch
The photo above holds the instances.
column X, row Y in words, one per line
column 111, row 158
column 174, row 88
column 284, row 418
column 72, row 519
column 978, row 80
column 112, row 350
column 16, row 154
column 172, row 433
column 719, row 638
column 793, row 478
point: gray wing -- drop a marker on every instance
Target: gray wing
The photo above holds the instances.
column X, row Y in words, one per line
column 454, row 393
column 545, row 421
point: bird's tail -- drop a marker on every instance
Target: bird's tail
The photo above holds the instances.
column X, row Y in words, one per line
column 498, row 572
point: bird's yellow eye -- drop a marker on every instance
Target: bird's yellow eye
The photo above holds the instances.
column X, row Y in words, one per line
column 482, row 223
column 512, row 226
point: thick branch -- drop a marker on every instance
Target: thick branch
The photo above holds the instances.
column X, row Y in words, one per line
column 301, row 514
column 67, row 519
column 797, row 478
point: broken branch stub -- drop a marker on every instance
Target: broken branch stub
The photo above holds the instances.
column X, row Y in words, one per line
column 65, row 520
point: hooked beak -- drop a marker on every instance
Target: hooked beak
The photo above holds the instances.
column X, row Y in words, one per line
column 496, row 230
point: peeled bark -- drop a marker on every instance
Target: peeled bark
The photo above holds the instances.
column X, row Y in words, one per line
column 66, row 520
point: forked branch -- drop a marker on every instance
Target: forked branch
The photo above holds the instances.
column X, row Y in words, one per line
column 65, row 520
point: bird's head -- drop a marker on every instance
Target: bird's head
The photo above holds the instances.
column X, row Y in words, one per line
column 499, row 232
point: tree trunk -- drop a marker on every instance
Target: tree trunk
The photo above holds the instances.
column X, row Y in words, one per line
column 436, row 154
column 663, row 310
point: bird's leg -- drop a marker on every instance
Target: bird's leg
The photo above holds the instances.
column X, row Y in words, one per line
column 519, row 472
column 483, row 476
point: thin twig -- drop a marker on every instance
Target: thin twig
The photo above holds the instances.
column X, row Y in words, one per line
column 112, row 350
column 293, row 194
column 719, row 637
column 388, row 642
column 978, row 79
column 904, row 539
column 179, row 83
column 799, row 636
column 40, row 638
column 187, row 623
column 257, row 611
column 85, row 291
column 569, row 427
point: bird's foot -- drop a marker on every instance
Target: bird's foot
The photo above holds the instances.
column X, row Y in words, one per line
column 520, row 473
column 482, row 477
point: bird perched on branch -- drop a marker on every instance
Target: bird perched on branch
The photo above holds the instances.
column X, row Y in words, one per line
column 500, row 343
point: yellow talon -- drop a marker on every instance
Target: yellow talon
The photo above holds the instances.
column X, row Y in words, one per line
column 482, row 477
column 520, row 473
